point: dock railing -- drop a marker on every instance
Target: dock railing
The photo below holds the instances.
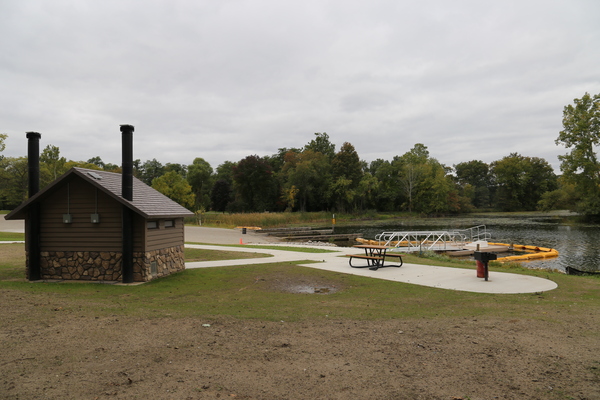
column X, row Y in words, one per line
column 476, row 233
column 433, row 240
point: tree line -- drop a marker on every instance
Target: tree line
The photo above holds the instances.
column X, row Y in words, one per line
column 316, row 177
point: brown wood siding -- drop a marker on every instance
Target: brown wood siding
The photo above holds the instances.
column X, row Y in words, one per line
column 162, row 237
column 139, row 233
column 79, row 198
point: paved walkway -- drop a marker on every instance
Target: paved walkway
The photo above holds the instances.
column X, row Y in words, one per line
column 425, row 275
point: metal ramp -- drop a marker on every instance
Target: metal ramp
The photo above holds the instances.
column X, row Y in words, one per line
column 433, row 240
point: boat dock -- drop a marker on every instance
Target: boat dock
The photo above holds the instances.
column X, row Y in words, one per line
column 451, row 240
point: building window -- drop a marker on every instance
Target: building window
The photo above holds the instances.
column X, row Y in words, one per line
column 152, row 224
column 169, row 223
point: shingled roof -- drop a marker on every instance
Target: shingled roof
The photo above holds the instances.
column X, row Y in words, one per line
column 147, row 202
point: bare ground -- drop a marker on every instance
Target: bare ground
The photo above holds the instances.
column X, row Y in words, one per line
column 49, row 350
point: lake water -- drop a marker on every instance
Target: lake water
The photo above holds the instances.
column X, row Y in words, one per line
column 578, row 243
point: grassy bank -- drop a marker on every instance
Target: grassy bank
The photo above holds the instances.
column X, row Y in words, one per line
column 11, row 236
column 257, row 292
column 263, row 220
column 285, row 219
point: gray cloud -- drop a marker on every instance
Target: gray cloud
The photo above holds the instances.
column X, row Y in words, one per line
column 222, row 80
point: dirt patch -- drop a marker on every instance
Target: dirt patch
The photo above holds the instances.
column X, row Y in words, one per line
column 299, row 284
column 55, row 350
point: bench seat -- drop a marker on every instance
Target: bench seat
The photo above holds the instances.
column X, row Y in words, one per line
column 365, row 257
column 373, row 262
column 395, row 255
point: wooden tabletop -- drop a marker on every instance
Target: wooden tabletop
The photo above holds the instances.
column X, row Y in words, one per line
column 370, row 246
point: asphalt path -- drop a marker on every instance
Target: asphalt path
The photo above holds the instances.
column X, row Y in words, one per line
column 199, row 234
column 12, row 225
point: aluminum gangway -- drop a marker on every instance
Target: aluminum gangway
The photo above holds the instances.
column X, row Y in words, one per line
column 433, row 240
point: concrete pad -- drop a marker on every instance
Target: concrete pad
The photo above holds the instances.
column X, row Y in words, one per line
column 201, row 234
column 12, row 225
column 425, row 275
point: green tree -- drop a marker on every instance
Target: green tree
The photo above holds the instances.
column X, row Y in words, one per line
column 13, row 181
column 309, row 174
column 426, row 185
column 221, row 195
column 110, row 167
column 368, row 188
column 521, row 181
column 388, row 196
column 175, row 187
column 80, row 164
column 199, row 176
column 150, row 170
column 562, row 198
column 255, row 184
column 277, row 161
column 343, row 193
column 410, row 177
column 3, row 137
column 321, row 144
column 580, row 167
column 411, row 172
column 433, row 194
column 225, row 171
column 52, row 165
column 346, row 163
column 3, row 174
column 179, row 168
column 346, row 171
column 97, row 161
column 475, row 179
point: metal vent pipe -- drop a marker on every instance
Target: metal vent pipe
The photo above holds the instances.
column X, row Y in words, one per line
column 127, row 160
column 33, row 161
column 33, row 220
column 127, row 193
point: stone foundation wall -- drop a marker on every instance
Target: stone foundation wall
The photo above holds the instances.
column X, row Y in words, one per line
column 106, row 266
column 167, row 260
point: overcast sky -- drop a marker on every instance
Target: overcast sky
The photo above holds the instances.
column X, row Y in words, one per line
column 224, row 79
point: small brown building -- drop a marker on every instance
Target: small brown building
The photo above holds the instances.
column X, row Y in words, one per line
column 81, row 223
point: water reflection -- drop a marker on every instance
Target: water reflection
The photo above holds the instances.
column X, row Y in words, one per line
column 576, row 242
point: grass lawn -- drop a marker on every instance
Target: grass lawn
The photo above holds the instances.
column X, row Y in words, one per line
column 11, row 236
column 255, row 292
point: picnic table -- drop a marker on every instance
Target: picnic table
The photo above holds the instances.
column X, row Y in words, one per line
column 375, row 256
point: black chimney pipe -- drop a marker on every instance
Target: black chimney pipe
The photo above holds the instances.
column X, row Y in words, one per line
column 127, row 159
column 33, row 221
column 127, row 193
column 33, row 161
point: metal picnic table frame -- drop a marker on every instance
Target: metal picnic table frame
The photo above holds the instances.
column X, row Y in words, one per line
column 374, row 255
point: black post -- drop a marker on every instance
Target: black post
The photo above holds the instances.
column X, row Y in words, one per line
column 127, row 193
column 33, row 221
column 33, row 161
column 486, row 273
column 127, row 160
